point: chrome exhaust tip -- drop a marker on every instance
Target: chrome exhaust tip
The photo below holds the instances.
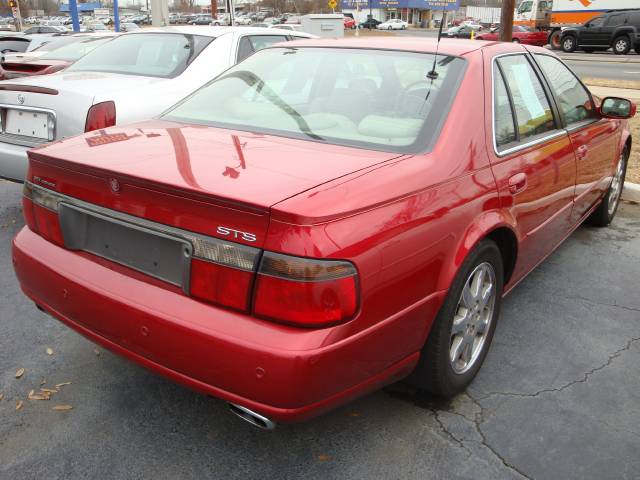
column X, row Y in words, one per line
column 252, row 417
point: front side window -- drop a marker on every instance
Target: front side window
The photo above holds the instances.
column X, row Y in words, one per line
column 596, row 22
column 374, row 99
column 525, row 6
column 574, row 100
column 532, row 109
column 163, row 55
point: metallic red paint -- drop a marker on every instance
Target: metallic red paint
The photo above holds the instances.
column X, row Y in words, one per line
column 406, row 222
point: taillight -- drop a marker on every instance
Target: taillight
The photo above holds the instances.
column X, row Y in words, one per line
column 222, row 272
column 100, row 115
column 41, row 213
column 305, row 292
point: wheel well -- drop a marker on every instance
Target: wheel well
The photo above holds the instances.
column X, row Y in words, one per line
column 508, row 245
column 628, row 144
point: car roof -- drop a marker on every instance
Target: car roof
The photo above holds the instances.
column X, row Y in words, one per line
column 455, row 47
column 206, row 31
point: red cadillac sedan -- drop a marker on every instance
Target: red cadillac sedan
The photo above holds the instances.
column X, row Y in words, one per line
column 521, row 34
column 323, row 219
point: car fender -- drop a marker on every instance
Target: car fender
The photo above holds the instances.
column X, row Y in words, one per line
column 478, row 230
column 629, row 31
column 625, row 136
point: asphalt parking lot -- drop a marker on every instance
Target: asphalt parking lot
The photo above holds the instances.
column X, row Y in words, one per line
column 558, row 397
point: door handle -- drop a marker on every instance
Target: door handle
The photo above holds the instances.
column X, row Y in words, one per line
column 517, row 183
column 582, row 151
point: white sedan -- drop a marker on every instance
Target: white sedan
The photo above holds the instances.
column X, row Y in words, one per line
column 134, row 77
column 393, row 24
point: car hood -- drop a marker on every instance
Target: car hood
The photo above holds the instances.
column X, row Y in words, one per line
column 254, row 169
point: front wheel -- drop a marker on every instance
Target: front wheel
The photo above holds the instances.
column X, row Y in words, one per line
column 603, row 215
column 463, row 329
column 569, row 44
column 554, row 40
column 515, row 40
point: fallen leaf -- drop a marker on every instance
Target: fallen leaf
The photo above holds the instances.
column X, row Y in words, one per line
column 97, row 352
column 19, row 404
column 43, row 382
column 20, row 372
column 32, row 392
column 62, row 407
column 1, row 395
column 324, row 458
column 48, row 390
column 38, row 397
column 58, row 385
column 49, row 351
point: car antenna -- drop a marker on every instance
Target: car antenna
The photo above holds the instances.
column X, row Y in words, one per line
column 432, row 75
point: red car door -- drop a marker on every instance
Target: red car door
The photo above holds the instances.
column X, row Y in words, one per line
column 595, row 140
column 532, row 158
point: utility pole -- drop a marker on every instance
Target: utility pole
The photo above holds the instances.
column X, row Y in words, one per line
column 214, row 9
column 506, row 20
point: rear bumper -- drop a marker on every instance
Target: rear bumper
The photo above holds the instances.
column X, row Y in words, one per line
column 283, row 373
column 13, row 162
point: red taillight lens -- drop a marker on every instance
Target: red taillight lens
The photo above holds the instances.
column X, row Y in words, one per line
column 306, row 292
column 41, row 213
column 100, row 115
column 220, row 284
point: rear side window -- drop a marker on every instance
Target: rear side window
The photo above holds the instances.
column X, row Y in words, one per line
column 253, row 43
column 531, row 107
column 616, row 20
column 574, row 100
column 13, row 45
column 504, row 127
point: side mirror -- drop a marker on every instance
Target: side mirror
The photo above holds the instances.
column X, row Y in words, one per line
column 614, row 107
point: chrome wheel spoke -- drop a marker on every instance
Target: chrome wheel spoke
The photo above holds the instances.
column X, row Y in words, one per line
column 474, row 313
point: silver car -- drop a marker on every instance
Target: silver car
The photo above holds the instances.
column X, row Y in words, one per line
column 131, row 78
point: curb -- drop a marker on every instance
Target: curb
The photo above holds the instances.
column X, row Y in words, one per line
column 589, row 57
column 631, row 192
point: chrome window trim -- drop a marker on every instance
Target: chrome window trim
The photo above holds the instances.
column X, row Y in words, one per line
column 521, row 146
column 24, row 140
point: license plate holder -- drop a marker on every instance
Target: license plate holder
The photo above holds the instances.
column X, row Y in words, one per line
column 162, row 256
column 27, row 123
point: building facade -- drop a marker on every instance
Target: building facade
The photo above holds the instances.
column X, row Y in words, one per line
column 417, row 12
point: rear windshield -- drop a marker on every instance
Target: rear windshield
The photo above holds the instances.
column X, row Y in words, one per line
column 13, row 45
column 376, row 99
column 163, row 55
column 74, row 50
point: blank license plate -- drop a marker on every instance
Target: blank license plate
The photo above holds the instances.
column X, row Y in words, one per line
column 27, row 124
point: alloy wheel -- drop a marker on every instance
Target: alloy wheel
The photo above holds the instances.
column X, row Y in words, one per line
column 621, row 45
column 615, row 191
column 473, row 317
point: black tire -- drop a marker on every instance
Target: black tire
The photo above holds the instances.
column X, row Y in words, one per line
column 621, row 45
column 434, row 372
column 554, row 40
column 515, row 40
column 601, row 216
column 637, row 49
column 569, row 44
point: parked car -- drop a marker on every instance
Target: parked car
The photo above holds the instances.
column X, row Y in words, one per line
column 202, row 20
column 46, row 29
column 473, row 25
column 135, row 76
column 288, row 243
column 349, row 22
column 129, row 27
column 521, row 34
column 287, row 26
column 243, row 20
column 393, row 24
column 461, row 31
column 62, row 53
column 370, row 23
column 619, row 30
column 95, row 27
column 21, row 46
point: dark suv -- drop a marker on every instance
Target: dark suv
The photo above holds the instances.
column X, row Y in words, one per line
column 617, row 29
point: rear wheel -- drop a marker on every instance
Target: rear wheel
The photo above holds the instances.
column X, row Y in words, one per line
column 554, row 40
column 603, row 215
column 515, row 40
column 464, row 327
column 621, row 45
column 569, row 44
